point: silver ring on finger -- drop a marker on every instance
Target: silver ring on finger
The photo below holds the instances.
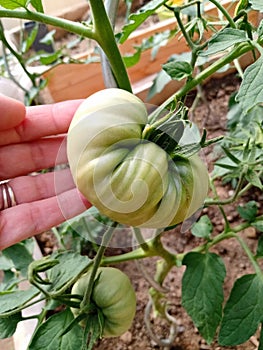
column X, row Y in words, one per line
column 8, row 196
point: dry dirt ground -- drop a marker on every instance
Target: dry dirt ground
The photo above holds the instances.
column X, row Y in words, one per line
column 217, row 93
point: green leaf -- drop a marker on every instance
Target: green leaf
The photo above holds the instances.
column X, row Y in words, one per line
column 224, row 40
column 226, row 166
column 136, row 19
column 258, row 225
column 69, row 266
column 178, row 70
column 203, row 228
column 243, row 311
column 30, row 38
column 202, row 291
column 50, row 58
column 48, row 39
column 5, row 262
column 161, row 80
column 253, row 178
column 10, row 281
column 94, row 329
column 250, row 92
column 260, row 245
column 48, row 335
column 34, row 91
column 260, row 29
column 248, row 211
column 37, row 4
column 13, row 4
column 256, row 5
column 20, row 257
column 131, row 60
column 242, row 5
column 231, row 155
column 13, row 300
column 8, row 325
column 153, row 42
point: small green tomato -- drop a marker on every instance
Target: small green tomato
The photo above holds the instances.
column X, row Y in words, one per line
column 114, row 295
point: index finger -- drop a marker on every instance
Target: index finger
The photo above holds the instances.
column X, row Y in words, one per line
column 42, row 121
column 12, row 112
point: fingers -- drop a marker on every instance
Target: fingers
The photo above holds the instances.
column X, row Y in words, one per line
column 12, row 113
column 37, row 217
column 41, row 121
column 33, row 188
column 22, row 159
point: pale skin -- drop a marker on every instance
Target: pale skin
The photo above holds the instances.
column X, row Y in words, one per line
column 32, row 139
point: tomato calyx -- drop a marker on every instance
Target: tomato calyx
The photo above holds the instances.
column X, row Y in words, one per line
column 93, row 328
column 92, row 320
column 175, row 135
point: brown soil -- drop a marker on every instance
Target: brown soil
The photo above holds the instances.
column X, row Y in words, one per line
column 210, row 114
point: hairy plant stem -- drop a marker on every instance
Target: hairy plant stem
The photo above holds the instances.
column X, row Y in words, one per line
column 187, row 37
column 133, row 255
column 206, row 246
column 250, row 256
column 18, row 57
column 84, row 305
column 231, row 199
column 104, row 36
column 224, row 12
column 22, row 307
column 70, row 26
column 111, row 7
column 220, row 206
column 140, row 239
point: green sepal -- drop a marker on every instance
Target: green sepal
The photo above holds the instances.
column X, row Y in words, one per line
column 93, row 329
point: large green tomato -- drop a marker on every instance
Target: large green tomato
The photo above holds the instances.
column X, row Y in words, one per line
column 131, row 180
column 114, row 295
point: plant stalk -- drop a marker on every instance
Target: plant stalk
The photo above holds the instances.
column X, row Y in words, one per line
column 250, row 256
column 111, row 7
column 84, row 305
column 133, row 255
column 103, row 34
column 224, row 12
column 70, row 26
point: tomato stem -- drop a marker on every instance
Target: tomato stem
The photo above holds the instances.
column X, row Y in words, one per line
column 236, row 195
column 140, row 239
column 250, row 256
column 224, row 12
column 104, row 36
column 133, row 255
column 84, row 305
column 70, row 26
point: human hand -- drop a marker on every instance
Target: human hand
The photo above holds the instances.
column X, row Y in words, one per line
column 32, row 139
